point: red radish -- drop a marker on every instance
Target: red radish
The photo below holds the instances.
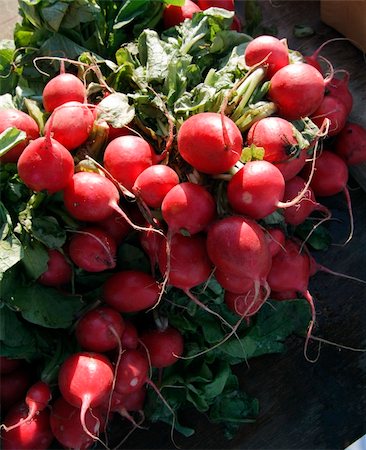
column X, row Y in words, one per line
column 297, row 90
column 277, row 137
column 154, row 183
column 210, row 142
column 58, row 271
column 338, row 87
column 275, row 239
column 272, row 51
column 296, row 214
column 93, row 250
column 13, row 118
column 126, row 157
column 63, row 88
column 131, row 291
column 70, row 124
column 114, row 133
column 333, row 109
column 225, row 4
column 151, row 242
column 13, row 387
column 164, row 347
column 174, row 15
column 115, row 226
column 238, row 246
column 185, row 262
column 256, row 190
column 350, row 144
column 132, row 372
column 132, row 401
column 246, row 304
column 8, row 365
column 100, row 329
column 91, row 197
column 67, row 427
column 85, row 379
column 45, row 165
column 188, row 206
column 29, row 435
column 284, row 295
column 37, row 399
column 129, row 338
column 236, row 24
column 233, row 283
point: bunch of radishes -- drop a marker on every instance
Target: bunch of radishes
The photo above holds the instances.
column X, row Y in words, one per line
column 187, row 237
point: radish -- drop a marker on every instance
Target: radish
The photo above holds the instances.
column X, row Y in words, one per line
column 297, row 90
column 245, row 304
column 67, row 427
column 93, row 250
column 13, row 118
column 129, row 338
column 132, row 401
column 37, row 399
column 8, row 365
column 150, row 243
column 13, row 387
column 189, row 207
column 267, row 50
column 131, row 291
column 126, row 157
column 233, row 283
column 296, row 214
column 350, row 144
column 338, row 87
column 174, row 15
column 70, row 124
column 59, row 271
column 225, row 4
column 154, row 183
column 115, row 226
column 85, row 379
column 132, row 372
column 164, row 347
column 29, row 435
column 277, row 137
column 275, row 239
column 210, row 142
column 333, row 109
column 45, row 165
column 61, row 89
column 100, row 329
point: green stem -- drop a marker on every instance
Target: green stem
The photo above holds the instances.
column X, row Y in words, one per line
column 185, row 49
column 255, row 113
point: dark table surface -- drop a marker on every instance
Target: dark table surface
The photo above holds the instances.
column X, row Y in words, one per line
column 305, row 405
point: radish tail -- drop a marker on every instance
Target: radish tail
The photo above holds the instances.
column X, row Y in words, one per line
column 308, row 297
column 339, row 274
column 31, row 414
column 84, row 409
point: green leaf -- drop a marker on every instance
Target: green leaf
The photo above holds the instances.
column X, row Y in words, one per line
column 215, row 388
column 48, row 231
column 6, row 102
column 11, row 252
column 8, row 74
column 45, row 306
column 35, row 112
column 318, row 238
column 9, row 138
column 116, row 110
column 252, row 153
column 35, row 259
column 54, row 14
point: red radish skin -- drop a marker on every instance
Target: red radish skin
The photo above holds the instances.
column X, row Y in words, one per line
column 131, row 291
column 132, row 372
column 13, row 118
column 84, row 380
column 126, row 157
column 283, row 295
column 129, row 338
column 45, row 165
column 100, row 330
column 277, row 137
column 338, row 88
column 225, row 4
column 133, row 401
column 8, row 365
column 256, row 190
column 30, row 435
column 67, row 427
column 210, row 142
column 188, row 206
column 275, row 239
column 59, row 271
column 63, row 88
column 90, row 197
column 115, row 226
column 350, row 144
column 13, row 387
column 70, row 124
column 174, row 15
column 272, row 51
column 297, row 90
column 333, row 109
column 233, row 283
column 164, row 347
column 93, row 250
column 154, row 183
column 37, row 399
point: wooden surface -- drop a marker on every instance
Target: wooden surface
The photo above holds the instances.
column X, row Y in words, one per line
column 302, row 405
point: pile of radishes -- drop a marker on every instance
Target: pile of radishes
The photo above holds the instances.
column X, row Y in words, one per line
column 190, row 230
